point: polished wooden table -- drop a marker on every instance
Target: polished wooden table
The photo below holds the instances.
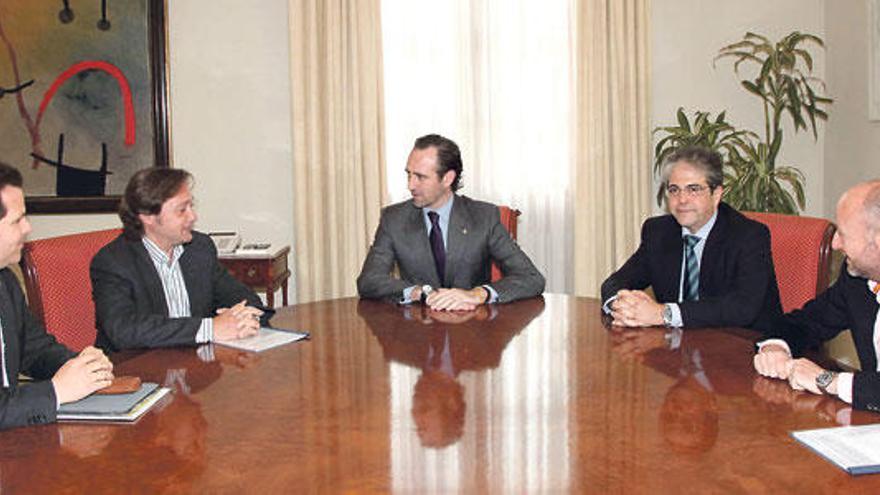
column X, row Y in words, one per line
column 530, row 397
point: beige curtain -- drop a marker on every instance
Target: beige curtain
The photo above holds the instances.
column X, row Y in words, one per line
column 338, row 153
column 613, row 165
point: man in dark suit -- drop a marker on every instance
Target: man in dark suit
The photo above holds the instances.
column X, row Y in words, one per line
column 442, row 243
column 60, row 375
column 853, row 302
column 159, row 284
column 707, row 264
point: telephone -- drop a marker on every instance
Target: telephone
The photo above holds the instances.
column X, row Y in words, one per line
column 226, row 242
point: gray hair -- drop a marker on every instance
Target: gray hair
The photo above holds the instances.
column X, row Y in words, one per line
column 707, row 161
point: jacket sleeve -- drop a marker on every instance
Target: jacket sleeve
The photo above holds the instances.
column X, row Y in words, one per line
column 521, row 278
column 118, row 315
column 819, row 320
column 634, row 274
column 29, row 404
column 376, row 280
column 744, row 294
column 228, row 291
column 41, row 356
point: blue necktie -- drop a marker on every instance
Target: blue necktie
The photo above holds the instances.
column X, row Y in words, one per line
column 437, row 247
column 691, row 287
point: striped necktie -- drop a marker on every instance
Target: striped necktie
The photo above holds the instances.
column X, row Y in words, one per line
column 691, row 286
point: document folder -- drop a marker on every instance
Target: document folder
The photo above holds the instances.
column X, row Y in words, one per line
column 120, row 407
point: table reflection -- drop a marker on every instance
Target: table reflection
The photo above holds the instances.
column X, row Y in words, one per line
column 442, row 344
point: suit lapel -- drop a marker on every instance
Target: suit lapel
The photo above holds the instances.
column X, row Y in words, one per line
column 460, row 221
column 193, row 273
column 672, row 250
column 11, row 340
column 417, row 239
column 712, row 252
column 144, row 265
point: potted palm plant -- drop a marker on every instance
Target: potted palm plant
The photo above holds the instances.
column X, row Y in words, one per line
column 784, row 84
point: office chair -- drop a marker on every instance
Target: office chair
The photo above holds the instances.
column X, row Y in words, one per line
column 59, row 289
column 801, row 255
column 509, row 218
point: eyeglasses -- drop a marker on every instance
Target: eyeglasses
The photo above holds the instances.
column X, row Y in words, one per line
column 690, row 190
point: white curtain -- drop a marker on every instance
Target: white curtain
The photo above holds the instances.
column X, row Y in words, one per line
column 497, row 77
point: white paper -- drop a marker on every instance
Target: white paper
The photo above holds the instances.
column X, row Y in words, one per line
column 855, row 449
column 266, row 338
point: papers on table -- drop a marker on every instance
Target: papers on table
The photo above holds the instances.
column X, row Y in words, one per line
column 855, row 449
column 118, row 407
column 267, row 338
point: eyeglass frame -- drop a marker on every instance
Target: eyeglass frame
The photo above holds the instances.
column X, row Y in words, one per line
column 690, row 190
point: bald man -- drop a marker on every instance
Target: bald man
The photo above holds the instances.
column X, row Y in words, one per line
column 851, row 303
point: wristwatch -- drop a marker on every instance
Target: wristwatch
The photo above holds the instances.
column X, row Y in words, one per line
column 667, row 315
column 824, row 379
column 426, row 291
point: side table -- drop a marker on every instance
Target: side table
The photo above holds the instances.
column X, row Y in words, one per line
column 261, row 271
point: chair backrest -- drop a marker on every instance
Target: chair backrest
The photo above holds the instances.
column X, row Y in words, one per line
column 509, row 219
column 59, row 289
column 801, row 255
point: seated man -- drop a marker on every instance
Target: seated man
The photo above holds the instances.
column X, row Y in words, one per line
column 159, row 284
column 707, row 264
column 853, row 302
column 442, row 243
column 25, row 347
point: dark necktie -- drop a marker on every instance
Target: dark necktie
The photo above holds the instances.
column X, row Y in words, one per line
column 437, row 247
column 691, row 287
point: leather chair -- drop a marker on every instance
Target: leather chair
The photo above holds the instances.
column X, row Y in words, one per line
column 59, row 289
column 509, row 218
column 801, row 255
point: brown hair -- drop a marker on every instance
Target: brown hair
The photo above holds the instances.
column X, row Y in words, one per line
column 147, row 190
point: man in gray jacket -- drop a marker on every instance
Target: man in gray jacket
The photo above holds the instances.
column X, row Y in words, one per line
column 443, row 244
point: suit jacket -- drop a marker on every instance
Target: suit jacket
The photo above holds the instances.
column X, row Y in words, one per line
column 130, row 306
column 846, row 304
column 475, row 238
column 29, row 350
column 737, row 280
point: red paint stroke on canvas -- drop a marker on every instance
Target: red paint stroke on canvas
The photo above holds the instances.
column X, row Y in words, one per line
column 115, row 72
column 19, row 97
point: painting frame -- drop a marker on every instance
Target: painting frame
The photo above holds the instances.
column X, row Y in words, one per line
column 874, row 60
column 155, row 22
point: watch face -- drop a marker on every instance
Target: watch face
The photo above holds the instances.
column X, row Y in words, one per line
column 824, row 379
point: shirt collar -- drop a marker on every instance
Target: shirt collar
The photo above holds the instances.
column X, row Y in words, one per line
column 444, row 210
column 158, row 255
column 874, row 287
column 704, row 230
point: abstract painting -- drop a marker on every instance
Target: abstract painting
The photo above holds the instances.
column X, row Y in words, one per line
column 82, row 98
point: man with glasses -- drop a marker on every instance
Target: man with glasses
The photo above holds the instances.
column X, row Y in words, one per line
column 708, row 265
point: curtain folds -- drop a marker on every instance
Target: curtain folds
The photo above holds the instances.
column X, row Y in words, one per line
column 338, row 141
column 613, row 165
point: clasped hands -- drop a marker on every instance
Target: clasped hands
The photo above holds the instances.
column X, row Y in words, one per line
column 238, row 322
column 774, row 361
column 88, row 372
column 452, row 299
column 635, row 308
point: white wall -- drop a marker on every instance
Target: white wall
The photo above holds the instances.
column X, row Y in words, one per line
column 230, row 119
column 852, row 145
column 687, row 36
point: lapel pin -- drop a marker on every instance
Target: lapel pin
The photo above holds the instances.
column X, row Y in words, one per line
column 464, row 231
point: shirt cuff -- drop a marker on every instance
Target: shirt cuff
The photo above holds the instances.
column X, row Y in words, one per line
column 779, row 342
column 206, row 331
column 406, row 293
column 676, row 315
column 606, row 307
column 844, row 387
column 493, row 296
